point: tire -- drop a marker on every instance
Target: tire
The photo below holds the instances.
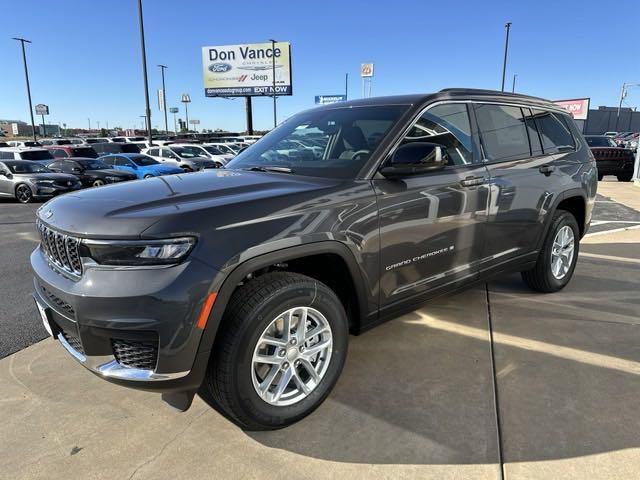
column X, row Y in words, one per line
column 541, row 278
column 23, row 193
column 147, row 176
column 252, row 309
column 98, row 183
column 625, row 177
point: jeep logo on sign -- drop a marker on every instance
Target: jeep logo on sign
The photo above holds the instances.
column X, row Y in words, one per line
column 219, row 67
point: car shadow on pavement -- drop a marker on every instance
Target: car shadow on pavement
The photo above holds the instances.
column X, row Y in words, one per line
column 417, row 390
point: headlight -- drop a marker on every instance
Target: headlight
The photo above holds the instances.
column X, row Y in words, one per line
column 139, row 252
column 43, row 182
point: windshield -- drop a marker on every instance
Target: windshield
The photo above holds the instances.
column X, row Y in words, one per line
column 334, row 143
column 187, row 152
column 600, row 142
column 213, row 150
column 26, row 167
column 93, row 164
column 36, row 155
column 143, row 160
column 32, row 144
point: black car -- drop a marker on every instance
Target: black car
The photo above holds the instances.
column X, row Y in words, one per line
column 107, row 148
column 611, row 158
column 26, row 181
column 91, row 172
column 246, row 281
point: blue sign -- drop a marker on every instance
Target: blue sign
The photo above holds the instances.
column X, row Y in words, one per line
column 326, row 99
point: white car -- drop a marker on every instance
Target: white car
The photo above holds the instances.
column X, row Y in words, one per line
column 205, row 151
column 17, row 153
column 225, row 148
column 183, row 158
column 24, row 144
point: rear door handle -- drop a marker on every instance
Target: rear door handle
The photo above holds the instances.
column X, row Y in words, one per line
column 472, row 181
column 547, row 169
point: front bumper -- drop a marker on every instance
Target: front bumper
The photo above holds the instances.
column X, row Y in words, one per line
column 41, row 191
column 111, row 321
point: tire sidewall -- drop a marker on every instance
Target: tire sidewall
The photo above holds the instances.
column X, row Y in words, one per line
column 284, row 299
column 565, row 219
column 19, row 186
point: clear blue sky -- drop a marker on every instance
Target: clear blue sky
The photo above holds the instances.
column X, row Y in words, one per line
column 85, row 57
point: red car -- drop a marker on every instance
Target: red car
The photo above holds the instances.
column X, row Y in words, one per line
column 610, row 158
column 66, row 151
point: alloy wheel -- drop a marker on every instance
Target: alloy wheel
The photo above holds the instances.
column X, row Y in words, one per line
column 291, row 356
column 562, row 252
column 98, row 183
column 23, row 194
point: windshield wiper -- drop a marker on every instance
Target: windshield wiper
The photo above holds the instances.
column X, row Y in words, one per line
column 270, row 169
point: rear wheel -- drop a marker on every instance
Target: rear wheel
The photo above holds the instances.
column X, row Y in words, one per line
column 558, row 257
column 98, row 182
column 625, row 177
column 24, row 193
column 280, row 351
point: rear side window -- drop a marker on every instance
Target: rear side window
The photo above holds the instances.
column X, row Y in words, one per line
column 447, row 125
column 554, row 132
column 154, row 152
column 534, row 136
column 6, row 155
column 503, row 132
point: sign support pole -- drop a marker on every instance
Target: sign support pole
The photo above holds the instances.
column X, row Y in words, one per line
column 249, row 115
column 44, row 127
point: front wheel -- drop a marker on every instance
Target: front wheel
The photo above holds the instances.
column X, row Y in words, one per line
column 280, row 351
column 24, row 193
column 98, row 183
column 557, row 259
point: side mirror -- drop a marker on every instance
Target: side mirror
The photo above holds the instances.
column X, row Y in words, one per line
column 415, row 158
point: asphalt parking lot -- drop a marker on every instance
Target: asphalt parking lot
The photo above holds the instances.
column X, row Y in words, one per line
column 416, row 399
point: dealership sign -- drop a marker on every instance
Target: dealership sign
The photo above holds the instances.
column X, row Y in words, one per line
column 42, row 109
column 326, row 99
column 247, row 70
column 578, row 107
column 366, row 70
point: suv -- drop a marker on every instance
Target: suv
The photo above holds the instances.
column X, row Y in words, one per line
column 246, row 281
column 41, row 154
column 111, row 147
column 181, row 156
column 611, row 158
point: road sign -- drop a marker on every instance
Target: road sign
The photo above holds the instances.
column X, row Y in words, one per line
column 174, row 110
column 326, row 99
column 366, row 70
column 42, row 109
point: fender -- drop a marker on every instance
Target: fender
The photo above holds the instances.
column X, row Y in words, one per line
column 228, row 285
column 573, row 192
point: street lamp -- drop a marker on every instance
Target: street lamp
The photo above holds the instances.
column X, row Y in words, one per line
column 26, row 76
column 144, row 72
column 186, row 99
column 273, row 65
column 513, row 85
column 623, row 94
column 507, row 26
column 164, row 100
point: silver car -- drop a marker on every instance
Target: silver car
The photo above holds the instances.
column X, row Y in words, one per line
column 25, row 181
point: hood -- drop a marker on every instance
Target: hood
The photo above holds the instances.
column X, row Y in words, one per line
column 125, row 210
column 48, row 176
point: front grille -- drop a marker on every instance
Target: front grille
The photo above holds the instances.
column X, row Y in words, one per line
column 135, row 354
column 61, row 250
column 74, row 342
column 64, row 306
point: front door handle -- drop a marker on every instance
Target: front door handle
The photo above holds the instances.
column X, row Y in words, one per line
column 547, row 169
column 472, row 181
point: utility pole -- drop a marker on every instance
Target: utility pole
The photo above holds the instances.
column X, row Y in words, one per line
column 346, row 86
column 507, row 26
column 26, row 76
column 273, row 64
column 513, row 85
column 623, row 95
column 144, row 73
column 164, row 100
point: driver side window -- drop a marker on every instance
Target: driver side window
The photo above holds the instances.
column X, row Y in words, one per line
column 447, row 125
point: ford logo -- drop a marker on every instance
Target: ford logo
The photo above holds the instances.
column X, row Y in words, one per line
column 219, row 67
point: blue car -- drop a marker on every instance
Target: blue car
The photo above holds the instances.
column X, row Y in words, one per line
column 143, row 166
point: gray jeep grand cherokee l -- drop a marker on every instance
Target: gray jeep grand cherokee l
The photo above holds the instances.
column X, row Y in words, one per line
column 244, row 283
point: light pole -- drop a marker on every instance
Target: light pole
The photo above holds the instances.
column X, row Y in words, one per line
column 346, row 86
column 623, row 94
column 26, row 76
column 186, row 99
column 513, row 85
column 507, row 26
column 273, row 65
column 164, row 100
column 89, row 120
column 144, row 73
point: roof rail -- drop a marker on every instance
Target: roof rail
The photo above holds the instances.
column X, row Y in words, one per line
column 482, row 91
